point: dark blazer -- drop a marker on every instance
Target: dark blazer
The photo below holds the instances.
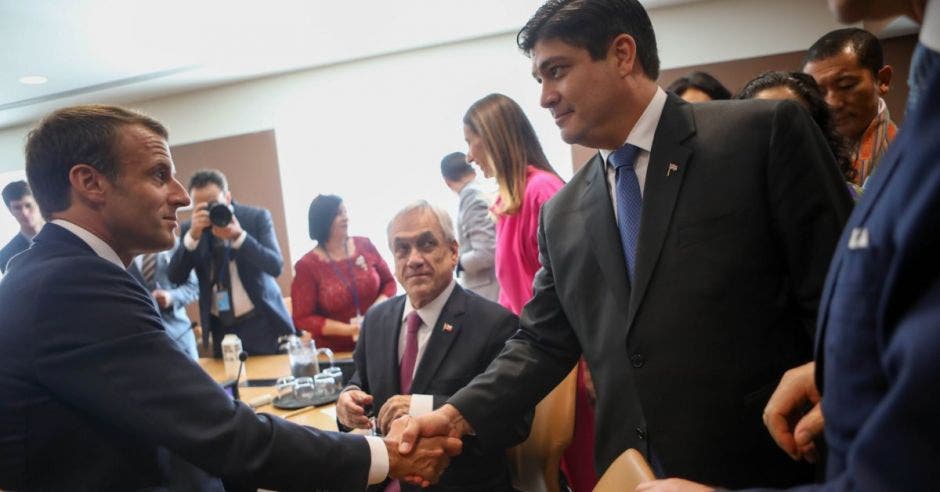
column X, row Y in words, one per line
column 95, row 396
column 16, row 245
column 742, row 208
column 175, row 320
column 479, row 328
column 259, row 264
column 879, row 340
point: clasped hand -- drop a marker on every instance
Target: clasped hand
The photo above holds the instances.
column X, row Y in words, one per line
column 425, row 461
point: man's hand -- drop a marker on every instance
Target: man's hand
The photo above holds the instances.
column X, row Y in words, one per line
column 673, row 485
column 350, row 409
column 230, row 232
column 424, row 465
column 163, row 297
column 786, row 416
column 393, row 408
column 445, row 421
column 199, row 221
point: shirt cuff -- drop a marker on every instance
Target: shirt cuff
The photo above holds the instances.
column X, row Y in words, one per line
column 378, row 469
column 420, row 405
column 237, row 243
column 189, row 243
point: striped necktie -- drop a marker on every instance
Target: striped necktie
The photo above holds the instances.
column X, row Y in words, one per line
column 148, row 267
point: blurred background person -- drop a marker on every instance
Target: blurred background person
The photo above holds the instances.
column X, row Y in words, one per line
column 802, row 87
column 699, row 87
column 171, row 298
column 20, row 202
column 476, row 232
column 848, row 64
column 338, row 280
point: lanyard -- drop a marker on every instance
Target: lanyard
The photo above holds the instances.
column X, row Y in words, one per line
column 350, row 282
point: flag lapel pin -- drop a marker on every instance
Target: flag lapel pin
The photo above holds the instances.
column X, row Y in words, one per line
column 673, row 168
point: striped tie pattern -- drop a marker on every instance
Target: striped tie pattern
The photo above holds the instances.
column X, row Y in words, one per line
column 148, row 267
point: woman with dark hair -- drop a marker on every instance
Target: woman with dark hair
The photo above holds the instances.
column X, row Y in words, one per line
column 503, row 144
column 339, row 280
column 802, row 87
column 699, row 87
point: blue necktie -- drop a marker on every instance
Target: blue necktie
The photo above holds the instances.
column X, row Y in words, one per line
column 629, row 203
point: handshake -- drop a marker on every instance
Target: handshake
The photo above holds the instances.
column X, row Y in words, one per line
column 419, row 448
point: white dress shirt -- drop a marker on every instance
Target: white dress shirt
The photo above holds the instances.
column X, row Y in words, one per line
column 241, row 303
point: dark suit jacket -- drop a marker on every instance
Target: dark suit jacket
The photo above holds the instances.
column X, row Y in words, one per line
column 16, row 245
column 451, row 359
column 733, row 248
column 175, row 320
column 95, row 396
column 879, row 346
column 259, row 263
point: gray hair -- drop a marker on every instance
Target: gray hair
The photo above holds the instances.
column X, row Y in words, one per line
column 443, row 219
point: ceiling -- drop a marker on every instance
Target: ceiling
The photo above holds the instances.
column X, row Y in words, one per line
column 124, row 51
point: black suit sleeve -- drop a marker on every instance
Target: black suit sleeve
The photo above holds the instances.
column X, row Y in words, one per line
column 260, row 247
column 531, row 364
column 182, row 261
column 809, row 204
column 119, row 367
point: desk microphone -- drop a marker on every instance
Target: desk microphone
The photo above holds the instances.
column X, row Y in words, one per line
column 242, row 357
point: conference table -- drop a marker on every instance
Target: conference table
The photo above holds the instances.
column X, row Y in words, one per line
column 264, row 369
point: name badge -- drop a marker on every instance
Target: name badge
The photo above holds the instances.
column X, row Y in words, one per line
column 222, row 301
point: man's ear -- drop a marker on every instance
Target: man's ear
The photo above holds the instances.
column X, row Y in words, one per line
column 884, row 79
column 623, row 51
column 88, row 184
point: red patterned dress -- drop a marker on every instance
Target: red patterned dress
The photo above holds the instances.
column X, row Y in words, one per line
column 324, row 290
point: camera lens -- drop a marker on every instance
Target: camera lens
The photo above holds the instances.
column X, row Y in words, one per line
column 219, row 214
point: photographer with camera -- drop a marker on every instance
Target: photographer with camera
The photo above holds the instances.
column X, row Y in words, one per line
column 237, row 260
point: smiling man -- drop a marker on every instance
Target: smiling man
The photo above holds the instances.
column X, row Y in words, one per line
column 93, row 394
column 685, row 261
column 416, row 350
column 20, row 202
column 849, row 67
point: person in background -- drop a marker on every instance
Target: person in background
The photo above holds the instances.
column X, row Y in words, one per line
column 699, row 87
column 20, row 202
column 338, row 280
column 801, row 87
column 848, row 64
column 417, row 349
column 476, row 232
column 150, row 270
column 237, row 266
column 93, row 394
column 872, row 386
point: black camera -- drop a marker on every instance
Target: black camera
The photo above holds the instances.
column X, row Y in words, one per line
column 220, row 213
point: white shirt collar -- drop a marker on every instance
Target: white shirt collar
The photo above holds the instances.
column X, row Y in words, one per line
column 100, row 247
column 645, row 128
column 930, row 28
column 432, row 310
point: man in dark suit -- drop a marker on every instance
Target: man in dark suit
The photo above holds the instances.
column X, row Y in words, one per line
column 93, row 394
column 151, row 271
column 877, row 345
column 454, row 334
column 685, row 261
column 19, row 201
column 237, row 265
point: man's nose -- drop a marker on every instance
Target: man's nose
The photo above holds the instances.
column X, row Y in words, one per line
column 178, row 194
column 549, row 96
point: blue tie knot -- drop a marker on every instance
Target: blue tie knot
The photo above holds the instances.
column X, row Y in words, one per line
column 625, row 156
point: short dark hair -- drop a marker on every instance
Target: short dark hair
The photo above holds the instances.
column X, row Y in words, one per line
column 15, row 191
column 206, row 177
column 806, row 88
column 592, row 25
column 702, row 81
column 323, row 210
column 864, row 44
column 88, row 134
column 454, row 166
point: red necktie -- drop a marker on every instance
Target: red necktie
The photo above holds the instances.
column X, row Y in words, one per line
column 410, row 355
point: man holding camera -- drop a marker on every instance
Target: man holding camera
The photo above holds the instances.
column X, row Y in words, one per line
column 237, row 260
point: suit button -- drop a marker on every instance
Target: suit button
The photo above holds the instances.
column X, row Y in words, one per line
column 637, row 360
column 640, row 433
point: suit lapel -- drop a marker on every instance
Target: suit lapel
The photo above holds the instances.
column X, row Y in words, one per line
column 669, row 159
column 387, row 346
column 600, row 227
column 440, row 341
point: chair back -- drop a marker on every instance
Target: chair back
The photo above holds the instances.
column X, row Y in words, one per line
column 535, row 462
column 625, row 473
